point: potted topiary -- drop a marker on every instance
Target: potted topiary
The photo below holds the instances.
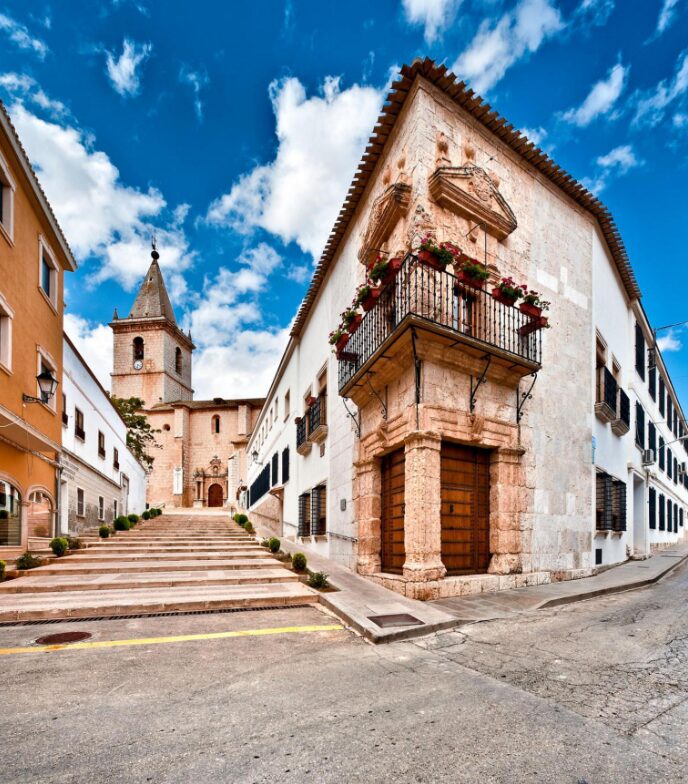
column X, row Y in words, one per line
column 437, row 256
column 472, row 273
column 508, row 292
column 59, row 545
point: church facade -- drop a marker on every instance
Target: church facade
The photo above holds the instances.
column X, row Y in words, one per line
column 199, row 457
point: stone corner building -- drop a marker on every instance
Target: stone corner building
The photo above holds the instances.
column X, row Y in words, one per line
column 200, row 459
column 450, row 447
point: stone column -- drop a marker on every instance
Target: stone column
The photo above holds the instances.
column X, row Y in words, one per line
column 508, row 501
column 367, row 487
column 422, row 516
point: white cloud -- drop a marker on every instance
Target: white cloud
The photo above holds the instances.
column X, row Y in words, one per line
column 94, row 343
column 23, row 87
column 498, row 45
column 99, row 214
column 615, row 163
column 21, row 37
column 123, row 71
column 536, row 135
column 434, row 15
column 666, row 17
column 595, row 11
column 651, row 105
column 320, row 140
column 197, row 80
column 669, row 342
column 601, row 98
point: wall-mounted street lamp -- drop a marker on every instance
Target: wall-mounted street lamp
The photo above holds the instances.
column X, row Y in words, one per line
column 47, row 383
column 254, row 457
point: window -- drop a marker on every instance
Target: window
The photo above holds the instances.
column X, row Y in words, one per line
column 610, row 503
column 138, row 350
column 304, row 528
column 639, row 351
column 7, row 188
column 114, row 509
column 285, row 465
column 101, row 444
column 652, row 382
column 79, row 502
column 215, row 424
column 6, row 316
column 670, row 462
column 661, row 395
column 661, row 454
column 79, row 431
column 319, row 511
column 669, row 520
column 680, row 517
column 10, row 519
column 652, row 508
column 652, row 437
column 675, row 518
column 65, row 415
column 47, row 272
column 286, row 406
column 639, row 425
column 115, row 458
column 178, row 361
column 101, row 507
column 669, row 410
column 260, row 486
column 275, row 470
column 675, row 471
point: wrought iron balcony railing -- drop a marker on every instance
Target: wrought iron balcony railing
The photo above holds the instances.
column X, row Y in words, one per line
column 438, row 300
column 622, row 424
column 301, row 431
column 317, row 420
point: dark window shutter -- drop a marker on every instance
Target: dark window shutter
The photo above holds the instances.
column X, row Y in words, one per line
column 619, row 505
column 304, row 514
column 275, row 469
column 652, row 382
column 285, row 465
column 639, row 351
column 652, row 436
column 662, row 512
column 652, row 510
column 639, row 425
column 661, row 453
column 661, row 396
column 680, row 517
column 604, row 502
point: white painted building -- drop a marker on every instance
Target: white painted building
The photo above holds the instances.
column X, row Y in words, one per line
column 100, row 477
column 429, row 389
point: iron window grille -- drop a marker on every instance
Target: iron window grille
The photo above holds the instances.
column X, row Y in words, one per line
column 304, row 527
column 301, row 431
column 260, row 486
column 317, row 414
column 607, row 390
column 610, row 503
column 318, row 511
column 624, row 407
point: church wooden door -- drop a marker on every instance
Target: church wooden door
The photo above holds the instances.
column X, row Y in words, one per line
column 215, row 495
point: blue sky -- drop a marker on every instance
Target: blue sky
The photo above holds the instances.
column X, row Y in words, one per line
column 233, row 130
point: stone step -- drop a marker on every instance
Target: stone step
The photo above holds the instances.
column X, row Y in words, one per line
column 114, row 567
column 92, row 604
column 56, row 583
column 168, row 548
column 127, row 555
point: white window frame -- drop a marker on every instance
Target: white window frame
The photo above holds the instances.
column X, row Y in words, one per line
column 44, row 357
column 45, row 251
column 7, row 195
column 114, row 509
column 6, row 317
column 287, row 404
column 81, row 513
column 101, row 508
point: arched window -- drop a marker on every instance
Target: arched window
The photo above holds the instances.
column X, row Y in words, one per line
column 10, row 515
column 178, row 360
column 138, row 348
column 215, row 424
column 40, row 515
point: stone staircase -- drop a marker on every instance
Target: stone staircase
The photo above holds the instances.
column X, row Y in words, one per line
column 173, row 563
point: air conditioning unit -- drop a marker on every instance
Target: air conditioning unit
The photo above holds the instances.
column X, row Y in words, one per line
column 649, row 457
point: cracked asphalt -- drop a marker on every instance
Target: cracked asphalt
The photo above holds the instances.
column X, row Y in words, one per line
column 591, row 693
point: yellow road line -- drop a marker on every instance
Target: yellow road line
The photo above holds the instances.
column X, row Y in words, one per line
column 177, row 638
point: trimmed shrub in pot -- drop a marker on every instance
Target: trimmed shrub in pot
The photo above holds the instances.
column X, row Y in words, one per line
column 146, row 515
column 133, row 518
column 274, row 544
column 248, row 527
column 122, row 523
column 59, row 545
column 28, row 561
column 318, row 580
column 242, row 519
column 299, row 562
column 74, row 543
column 104, row 531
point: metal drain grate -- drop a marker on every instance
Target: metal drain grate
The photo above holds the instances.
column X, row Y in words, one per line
column 219, row 611
column 63, row 637
column 402, row 619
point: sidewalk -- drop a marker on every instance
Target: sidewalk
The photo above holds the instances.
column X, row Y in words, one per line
column 357, row 599
column 502, row 604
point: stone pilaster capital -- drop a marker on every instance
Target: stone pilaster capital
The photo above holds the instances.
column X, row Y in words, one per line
column 423, row 439
column 510, row 454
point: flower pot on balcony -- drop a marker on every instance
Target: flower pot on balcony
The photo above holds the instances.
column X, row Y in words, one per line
column 392, row 270
column 500, row 296
column 468, row 280
column 310, row 400
column 539, row 322
column 355, row 323
column 530, row 310
column 369, row 302
column 340, row 345
column 430, row 260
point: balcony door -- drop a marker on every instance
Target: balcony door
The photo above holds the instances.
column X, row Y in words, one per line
column 465, row 493
column 392, row 552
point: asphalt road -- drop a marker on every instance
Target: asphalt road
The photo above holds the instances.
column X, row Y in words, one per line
column 593, row 693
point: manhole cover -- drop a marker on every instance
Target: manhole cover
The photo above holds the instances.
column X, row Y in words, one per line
column 403, row 619
column 63, row 637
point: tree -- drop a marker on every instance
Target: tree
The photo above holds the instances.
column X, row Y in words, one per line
column 140, row 435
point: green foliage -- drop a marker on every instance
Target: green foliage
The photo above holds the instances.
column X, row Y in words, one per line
column 265, row 543
column 133, row 518
column 28, row 561
column 236, row 517
column 242, row 519
column 104, row 531
column 146, row 515
column 122, row 523
column 299, row 562
column 274, row 544
column 3, row 569
column 140, row 435
column 74, row 543
column 59, row 545
column 248, row 527
column 318, row 580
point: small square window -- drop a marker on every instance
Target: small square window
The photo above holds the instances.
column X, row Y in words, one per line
column 47, row 272
column 6, row 316
column 79, row 502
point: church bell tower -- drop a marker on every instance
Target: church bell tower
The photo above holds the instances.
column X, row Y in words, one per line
column 152, row 356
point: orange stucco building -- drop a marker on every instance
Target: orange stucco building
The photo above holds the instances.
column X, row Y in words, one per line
column 34, row 255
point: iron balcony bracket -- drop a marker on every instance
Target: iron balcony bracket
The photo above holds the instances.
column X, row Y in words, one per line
column 476, row 386
column 379, row 399
column 355, row 418
column 522, row 397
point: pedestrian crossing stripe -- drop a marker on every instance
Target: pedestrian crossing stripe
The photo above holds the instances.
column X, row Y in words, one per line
column 83, row 646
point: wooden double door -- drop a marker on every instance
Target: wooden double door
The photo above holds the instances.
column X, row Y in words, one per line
column 465, row 510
